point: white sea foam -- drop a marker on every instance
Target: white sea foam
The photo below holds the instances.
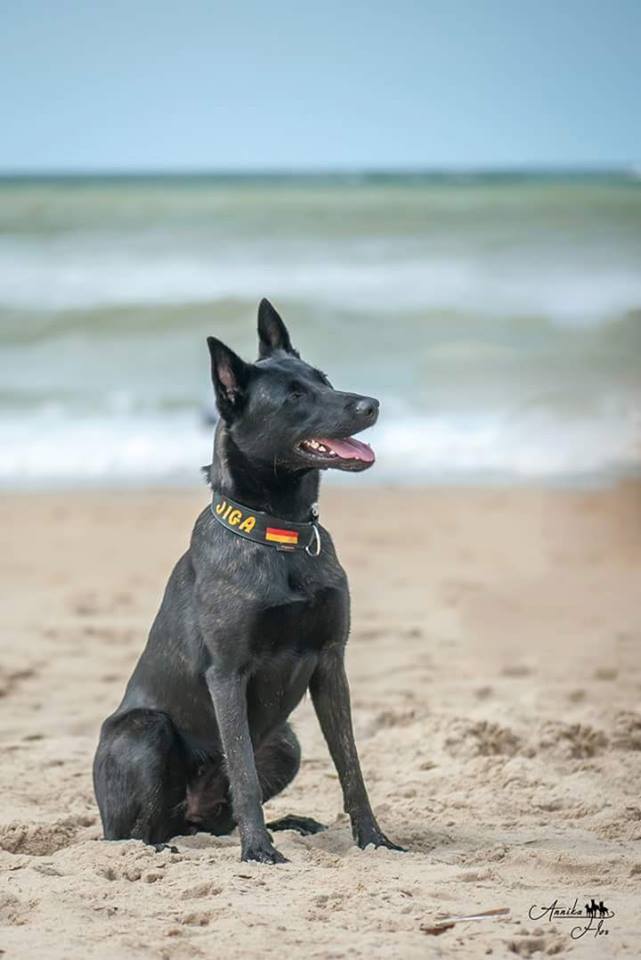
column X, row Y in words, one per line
column 47, row 447
column 85, row 276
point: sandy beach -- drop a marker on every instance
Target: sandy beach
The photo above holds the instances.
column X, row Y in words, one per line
column 496, row 677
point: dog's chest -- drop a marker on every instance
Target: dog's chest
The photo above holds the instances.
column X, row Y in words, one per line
column 286, row 640
column 299, row 620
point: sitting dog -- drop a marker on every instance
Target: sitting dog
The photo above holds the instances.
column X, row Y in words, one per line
column 255, row 613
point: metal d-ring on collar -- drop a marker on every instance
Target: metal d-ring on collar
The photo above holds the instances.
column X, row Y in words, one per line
column 316, row 541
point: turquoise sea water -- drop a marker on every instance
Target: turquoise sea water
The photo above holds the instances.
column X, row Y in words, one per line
column 498, row 318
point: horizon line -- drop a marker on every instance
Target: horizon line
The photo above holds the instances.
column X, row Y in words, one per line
column 632, row 170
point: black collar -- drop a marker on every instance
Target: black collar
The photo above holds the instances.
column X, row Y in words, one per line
column 263, row 528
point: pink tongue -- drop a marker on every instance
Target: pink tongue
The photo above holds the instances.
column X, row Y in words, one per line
column 349, row 449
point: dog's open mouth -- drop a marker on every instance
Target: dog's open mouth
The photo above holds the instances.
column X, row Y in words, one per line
column 344, row 454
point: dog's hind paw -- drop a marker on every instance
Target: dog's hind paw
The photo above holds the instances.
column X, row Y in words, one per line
column 159, row 847
column 303, row 825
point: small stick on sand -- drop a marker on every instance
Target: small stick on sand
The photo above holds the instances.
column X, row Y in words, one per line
column 448, row 922
column 498, row 912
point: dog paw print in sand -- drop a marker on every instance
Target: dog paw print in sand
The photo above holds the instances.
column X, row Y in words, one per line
column 481, row 738
column 90, row 604
column 11, row 679
column 606, row 673
column 84, row 604
column 201, row 890
column 627, row 731
column 573, row 741
column 131, row 872
column 13, row 911
column 516, row 670
column 197, row 918
column 538, row 942
column 389, row 719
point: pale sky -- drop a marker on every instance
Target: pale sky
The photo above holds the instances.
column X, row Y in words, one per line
column 288, row 85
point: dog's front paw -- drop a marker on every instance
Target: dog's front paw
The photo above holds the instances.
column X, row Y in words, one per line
column 372, row 836
column 383, row 841
column 263, row 853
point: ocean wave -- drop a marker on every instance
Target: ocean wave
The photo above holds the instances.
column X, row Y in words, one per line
column 499, row 324
column 48, row 447
column 54, row 279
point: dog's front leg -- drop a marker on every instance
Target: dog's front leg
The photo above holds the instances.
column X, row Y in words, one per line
column 228, row 693
column 330, row 694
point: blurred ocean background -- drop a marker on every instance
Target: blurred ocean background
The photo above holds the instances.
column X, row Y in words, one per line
column 497, row 317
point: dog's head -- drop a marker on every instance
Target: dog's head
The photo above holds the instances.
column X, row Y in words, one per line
column 282, row 412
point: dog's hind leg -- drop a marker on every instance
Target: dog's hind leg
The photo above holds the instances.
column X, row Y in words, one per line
column 140, row 776
column 277, row 763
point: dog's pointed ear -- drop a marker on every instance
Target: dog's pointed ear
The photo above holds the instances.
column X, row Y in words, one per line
column 272, row 332
column 230, row 376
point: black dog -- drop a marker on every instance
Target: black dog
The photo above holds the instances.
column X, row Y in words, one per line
column 254, row 614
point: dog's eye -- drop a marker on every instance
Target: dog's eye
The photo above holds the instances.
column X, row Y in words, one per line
column 296, row 391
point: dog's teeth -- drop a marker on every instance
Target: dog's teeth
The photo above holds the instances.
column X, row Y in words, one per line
column 318, row 447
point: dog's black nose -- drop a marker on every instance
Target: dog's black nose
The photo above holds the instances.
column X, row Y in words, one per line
column 367, row 407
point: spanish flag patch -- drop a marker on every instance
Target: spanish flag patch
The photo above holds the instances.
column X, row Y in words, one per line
column 289, row 537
